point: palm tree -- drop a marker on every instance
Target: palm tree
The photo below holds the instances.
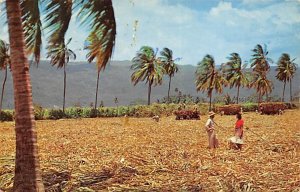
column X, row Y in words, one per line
column 4, row 63
column 101, row 42
column 285, row 71
column 169, row 65
column 235, row 73
column 293, row 71
column 60, row 56
column 27, row 170
column 147, row 67
column 208, row 78
column 24, row 25
column 260, row 64
column 262, row 84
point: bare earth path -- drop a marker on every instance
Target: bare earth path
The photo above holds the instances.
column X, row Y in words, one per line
column 109, row 154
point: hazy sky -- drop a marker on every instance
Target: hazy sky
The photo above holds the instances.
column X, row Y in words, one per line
column 193, row 28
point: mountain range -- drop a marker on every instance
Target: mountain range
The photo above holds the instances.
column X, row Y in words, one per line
column 47, row 85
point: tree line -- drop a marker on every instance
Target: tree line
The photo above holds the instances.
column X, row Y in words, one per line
column 149, row 67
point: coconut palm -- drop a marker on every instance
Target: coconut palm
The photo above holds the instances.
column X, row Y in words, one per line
column 169, row 65
column 4, row 64
column 27, row 172
column 260, row 62
column 285, row 71
column 262, row 84
column 101, row 42
column 235, row 73
column 60, row 57
column 147, row 67
column 24, row 25
column 208, row 78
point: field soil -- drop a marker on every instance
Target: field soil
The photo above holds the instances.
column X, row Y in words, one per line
column 140, row 154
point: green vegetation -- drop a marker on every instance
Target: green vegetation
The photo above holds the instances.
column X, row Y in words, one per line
column 260, row 64
column 60, row 56
column 286, row 69
column 164, row 109
column 208, row 78
column 169, row 65
column 235, row 73
column 147, row 67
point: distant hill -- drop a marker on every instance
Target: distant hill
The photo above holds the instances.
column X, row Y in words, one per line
column 47, row 83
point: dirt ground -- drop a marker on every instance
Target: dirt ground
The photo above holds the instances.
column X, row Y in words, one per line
column 139, row 154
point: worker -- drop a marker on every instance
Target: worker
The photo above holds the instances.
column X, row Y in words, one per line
column 236, row 142
column 210, row 129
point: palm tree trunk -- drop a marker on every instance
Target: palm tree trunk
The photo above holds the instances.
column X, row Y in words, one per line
column 291, row 96
column 238, row 94
column 149, row 92
column 210, row 96
column 283, row 91
column 97, row 87
column 169, row 89
column 27, row 169
column 65, row 81
column 259, row 97
column 3, row 86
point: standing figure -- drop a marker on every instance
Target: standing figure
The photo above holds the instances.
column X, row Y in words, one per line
column 210, row 128
column 236, row 141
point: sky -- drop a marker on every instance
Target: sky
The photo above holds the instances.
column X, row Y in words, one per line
column 194, row 28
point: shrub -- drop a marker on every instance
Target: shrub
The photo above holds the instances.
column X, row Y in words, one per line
column 74, row 112
column 39, row 112
column 247, row 107
column 56, row 114
column 6, row 115
column 90, row 112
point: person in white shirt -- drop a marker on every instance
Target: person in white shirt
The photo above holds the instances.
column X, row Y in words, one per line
column 210, row 129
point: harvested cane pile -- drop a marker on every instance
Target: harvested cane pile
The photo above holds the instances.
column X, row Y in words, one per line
column 187, row 114
column 271, row 108
column 139, row 154
column 229, row 109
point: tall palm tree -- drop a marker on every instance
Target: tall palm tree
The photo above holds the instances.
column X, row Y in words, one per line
column 235, row 73
column 147, row 67
column 4, row 64
column 27, row 170
column 285, row 69
column 169, row 65
column 263, row 85
column 103, row 37
column 61, row 56
column 208, row 78
column 260, row 62
column 293, row 71
column 24, row 25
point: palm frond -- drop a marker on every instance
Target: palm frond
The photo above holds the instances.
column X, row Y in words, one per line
column 32, row 27
column 58, row 16
column 4, row 54
column 168, row 62
column 99, row 16
column 147, row 67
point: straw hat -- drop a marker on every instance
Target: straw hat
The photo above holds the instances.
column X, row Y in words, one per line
column 211, row 113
